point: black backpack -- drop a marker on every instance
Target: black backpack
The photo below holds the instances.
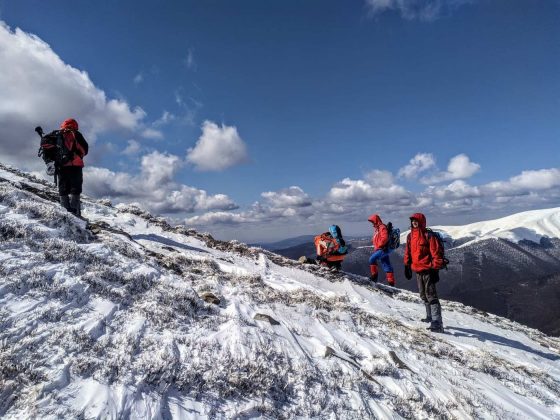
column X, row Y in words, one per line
column 394, row 236
column 53, row 148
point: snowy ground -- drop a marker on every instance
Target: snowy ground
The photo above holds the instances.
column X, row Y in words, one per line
column 108, row 320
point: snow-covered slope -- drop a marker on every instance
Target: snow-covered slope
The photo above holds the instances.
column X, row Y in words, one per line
column 112, row 319
column 529, row 225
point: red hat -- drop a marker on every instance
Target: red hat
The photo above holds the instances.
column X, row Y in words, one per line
column 70, row 123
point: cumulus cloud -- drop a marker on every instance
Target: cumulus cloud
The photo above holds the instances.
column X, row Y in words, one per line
column 459, row 167
column 154, row 187
column 139, row 78
column 47, row 92
column 351, row 200
column 289, row 197
column 377, row 187
column 218, row 148
column 525, row 183
column 425, row 10
column 418, row 164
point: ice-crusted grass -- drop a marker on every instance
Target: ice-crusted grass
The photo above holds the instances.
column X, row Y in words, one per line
column 127, row 315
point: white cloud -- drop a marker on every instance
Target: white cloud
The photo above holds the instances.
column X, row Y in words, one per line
column 218, row 218
column 150, row 133
column 418, row 164
column 288, row 197
column 154, row 187
column 425, row 10
column 132, row 148
column 47, row 92
column 456, row 190
column 218, row 148
column 525, row 183
column 166, row 118
column 361, row 191
column 459, row 167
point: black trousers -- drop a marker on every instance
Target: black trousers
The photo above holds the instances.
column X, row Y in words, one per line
column 427, row 281
column 70, row 180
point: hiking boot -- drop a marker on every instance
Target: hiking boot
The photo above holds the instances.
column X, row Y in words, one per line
column 437, row 322
column 374, row 272
column 390, row 279
column 75, row 206
column 65, row 202
column 428, row 313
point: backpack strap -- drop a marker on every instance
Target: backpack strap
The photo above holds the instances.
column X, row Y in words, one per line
column 409, row 252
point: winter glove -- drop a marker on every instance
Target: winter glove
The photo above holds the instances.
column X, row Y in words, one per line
column 407, row 272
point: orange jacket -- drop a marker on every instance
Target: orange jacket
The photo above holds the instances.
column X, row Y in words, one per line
column 422, row 251
column 327, row 247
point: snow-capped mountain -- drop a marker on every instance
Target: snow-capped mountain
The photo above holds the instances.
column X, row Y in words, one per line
column 529, row 225
column 129, row 317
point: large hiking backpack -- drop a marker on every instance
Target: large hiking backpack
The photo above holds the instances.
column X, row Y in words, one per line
column 441, row 242
column 336, row 233
column 53, row 149
column 394, row 236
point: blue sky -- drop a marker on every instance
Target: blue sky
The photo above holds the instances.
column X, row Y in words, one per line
column 308, row 94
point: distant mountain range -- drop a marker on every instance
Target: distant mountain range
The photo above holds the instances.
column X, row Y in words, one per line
column 508, row 266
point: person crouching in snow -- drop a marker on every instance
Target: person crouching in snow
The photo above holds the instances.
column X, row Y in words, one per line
column 70, row 176
column 331, row 248
column 424, row 255
column 381, row 251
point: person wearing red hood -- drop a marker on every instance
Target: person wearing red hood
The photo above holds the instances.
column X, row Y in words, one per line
column 423, row 254
column 381, row 250
column 70, row 175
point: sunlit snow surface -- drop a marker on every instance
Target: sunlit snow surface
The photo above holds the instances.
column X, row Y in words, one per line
column 111, row 325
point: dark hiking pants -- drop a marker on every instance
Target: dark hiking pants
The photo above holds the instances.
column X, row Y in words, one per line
column 70, row 180
column 427, row 285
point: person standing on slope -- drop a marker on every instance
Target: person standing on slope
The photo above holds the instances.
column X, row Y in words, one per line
column 70, row 175
column 423, row 254
column 381, row 250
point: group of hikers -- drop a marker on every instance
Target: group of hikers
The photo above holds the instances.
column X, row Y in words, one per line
column 423, row 255
column 63, row 151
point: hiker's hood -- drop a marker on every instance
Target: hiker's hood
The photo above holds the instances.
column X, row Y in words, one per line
column 421, row 220
column 69, row 124
column 375, row 219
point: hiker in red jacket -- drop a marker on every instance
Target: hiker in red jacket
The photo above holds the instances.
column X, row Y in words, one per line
column 381, row 250
column 424, row 255
column 70, row 176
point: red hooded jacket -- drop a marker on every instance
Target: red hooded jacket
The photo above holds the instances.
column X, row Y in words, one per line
column 381, row 236
column 74, row 141
column 423, row 251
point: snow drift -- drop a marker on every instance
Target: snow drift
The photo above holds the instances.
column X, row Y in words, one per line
column 127, row 316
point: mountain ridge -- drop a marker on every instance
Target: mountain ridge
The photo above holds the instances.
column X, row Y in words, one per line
column 113, row 318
